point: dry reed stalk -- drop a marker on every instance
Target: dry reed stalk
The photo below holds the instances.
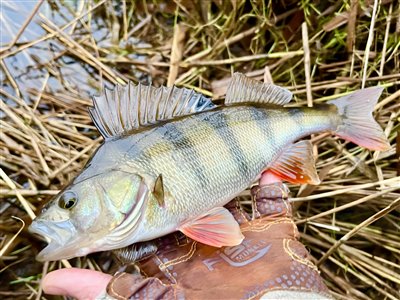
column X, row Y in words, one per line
column 307, row 68
column 369, row 43
column 47, row 135
column 394, row 205
column 176, row 53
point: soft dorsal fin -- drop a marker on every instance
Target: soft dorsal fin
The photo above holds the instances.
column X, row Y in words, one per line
column 127, row 108
column 242, row 89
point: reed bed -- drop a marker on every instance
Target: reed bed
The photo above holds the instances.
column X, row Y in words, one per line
column 55, row 54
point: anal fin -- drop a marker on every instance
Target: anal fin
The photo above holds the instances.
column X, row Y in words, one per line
column 296, row 164
column 216, row 228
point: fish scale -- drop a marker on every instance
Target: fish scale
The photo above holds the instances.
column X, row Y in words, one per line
column 171, row 159
column 211, row 140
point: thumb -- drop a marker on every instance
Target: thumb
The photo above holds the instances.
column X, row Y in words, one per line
column 77, row 283
column 268, row 177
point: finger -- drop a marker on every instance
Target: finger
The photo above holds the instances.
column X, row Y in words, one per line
column 268, row 177
column 77, row 283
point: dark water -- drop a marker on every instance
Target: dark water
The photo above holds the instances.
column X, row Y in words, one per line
column 48, row 62
column 26, row 66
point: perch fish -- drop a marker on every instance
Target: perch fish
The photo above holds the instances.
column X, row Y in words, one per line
column 171, row 159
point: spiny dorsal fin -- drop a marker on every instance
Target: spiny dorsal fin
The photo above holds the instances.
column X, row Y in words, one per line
column 242, row 89
column 127, row 108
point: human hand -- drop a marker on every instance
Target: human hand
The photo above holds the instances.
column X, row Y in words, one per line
column 274, row 233
column 77, row 283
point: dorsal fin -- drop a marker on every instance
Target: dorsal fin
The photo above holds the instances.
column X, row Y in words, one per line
column 127, row 108
column 242, row 89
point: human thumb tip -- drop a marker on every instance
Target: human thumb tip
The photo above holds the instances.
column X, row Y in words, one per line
column 268, row 177
column 51, row 283
column 74, row 282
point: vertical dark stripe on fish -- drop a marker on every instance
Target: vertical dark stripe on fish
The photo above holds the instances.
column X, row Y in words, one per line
column 263, row 120
column 179, row 140
column 235, row 149
column 260, row 116
column 293, row 112
column 296, row 116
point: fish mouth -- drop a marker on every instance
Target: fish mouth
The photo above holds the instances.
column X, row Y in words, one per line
column 59, row 236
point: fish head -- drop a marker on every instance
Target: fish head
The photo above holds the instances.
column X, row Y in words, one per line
column 94, row 214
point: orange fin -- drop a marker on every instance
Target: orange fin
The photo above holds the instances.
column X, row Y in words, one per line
column 216, row 228
column 296, row 164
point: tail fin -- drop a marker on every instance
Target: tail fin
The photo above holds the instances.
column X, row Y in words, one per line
column 358, row 124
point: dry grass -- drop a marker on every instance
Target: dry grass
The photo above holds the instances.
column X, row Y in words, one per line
column 56, row 54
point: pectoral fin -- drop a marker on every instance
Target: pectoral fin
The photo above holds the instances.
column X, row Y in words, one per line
column 158, row 191
column 296, row 164
column 135, row 252
column 216, row 228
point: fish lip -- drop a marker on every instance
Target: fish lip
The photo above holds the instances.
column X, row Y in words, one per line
column 46, row 231
column 56, row 248
column 38, row 229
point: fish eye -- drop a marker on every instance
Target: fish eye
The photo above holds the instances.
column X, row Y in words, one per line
column 68, row 200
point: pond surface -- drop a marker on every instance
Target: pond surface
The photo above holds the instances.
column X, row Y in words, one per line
column 38, row 60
